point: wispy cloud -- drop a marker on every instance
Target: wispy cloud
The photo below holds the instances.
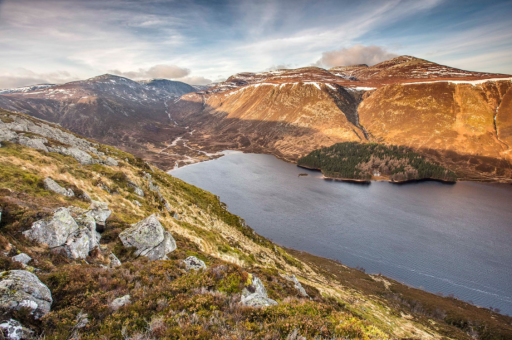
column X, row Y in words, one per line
column 214, row 39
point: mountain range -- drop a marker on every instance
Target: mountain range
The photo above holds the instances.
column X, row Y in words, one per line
column 458, row 118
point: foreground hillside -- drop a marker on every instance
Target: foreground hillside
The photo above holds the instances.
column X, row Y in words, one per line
column 98, row 244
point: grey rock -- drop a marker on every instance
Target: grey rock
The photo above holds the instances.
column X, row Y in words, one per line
column 110, row 161
column 136, row 188
column 100, row 212
column 85, row 197
column 297, row 285
column 167, row 206
column 256, row 295
column 153, row 187
column 36, row 143
column 21, row 288
column 176, row 216
column 193, row 263
column 149, row 238
column 53, row 231
column 120, row 302
column 88, row 223
column 50, row 184
column 81, row 156
column 13, row 330
column 137, row 203
column 77, row 245
column 114, row 261
column 7, row 135
column 22, row 258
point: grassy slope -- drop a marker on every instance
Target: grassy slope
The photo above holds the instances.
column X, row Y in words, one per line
column 169, row 302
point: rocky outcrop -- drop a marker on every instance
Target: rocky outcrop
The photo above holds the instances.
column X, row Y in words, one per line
column 149, row 238
column 81, row 156
column 255, row 294
column 120, row 302
column 136, row 189
column 50, row 184
column 70, row 230
column 20, row 288
column 13, row 330
column 297, row 285
column 193, row 263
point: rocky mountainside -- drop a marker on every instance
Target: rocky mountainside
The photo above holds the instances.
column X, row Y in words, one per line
column 458, row 118
column 98, row 244
column 109, row 108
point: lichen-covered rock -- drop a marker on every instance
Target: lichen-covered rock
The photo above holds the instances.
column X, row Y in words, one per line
column 77, row 245
column 120, row 302
column 114, row 261
column 87, row 222
column 53, row 231
column 193, row 263
column 255, row 295
column 13, row 330
column 36, row 143
column 297, row 285
column 21, row 288
column 7, row 134
column 100, row 212
column 149, row 238
column 50, row 184
column 22, row 258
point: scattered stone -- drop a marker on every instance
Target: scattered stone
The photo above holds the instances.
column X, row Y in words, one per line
column 21, row 288
column 114, row 261
column 50, row 184
column 297, row 285
column 120, row 302
column 153, row 187
column 137, row 203
column 149, row 238
column 13, row 330
column 84, row 196
column 53, row 231
column 193, row 263
column 22, row 258
column 176, row 216
column 167, row 206
column 255, row 295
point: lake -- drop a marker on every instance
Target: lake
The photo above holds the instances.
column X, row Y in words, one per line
column 448, row 238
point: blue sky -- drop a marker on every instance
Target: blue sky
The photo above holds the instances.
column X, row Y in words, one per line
column 202, row 41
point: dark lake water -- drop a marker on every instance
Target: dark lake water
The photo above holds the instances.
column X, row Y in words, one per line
column 454, row 239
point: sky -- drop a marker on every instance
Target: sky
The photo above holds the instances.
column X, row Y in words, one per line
column 198, row 42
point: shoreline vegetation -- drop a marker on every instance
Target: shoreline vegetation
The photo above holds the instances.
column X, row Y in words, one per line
column 362, row 163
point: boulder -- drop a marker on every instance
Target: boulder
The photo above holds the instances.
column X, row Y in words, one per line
column 193, row 263
column 114, row 261
column 77, row 245
column 87, row 222
column 100, row 212
column 255, row 295
column 120, row 302
column 297, row 285
column 50, row 184
column 136, row 189
column 149, row 238
column 13, row 330
column 21, row 288
column 53, row 231
column 7, row 135
column 137, row 203
column 22, row 258
column 81, row 156
column 110, row 161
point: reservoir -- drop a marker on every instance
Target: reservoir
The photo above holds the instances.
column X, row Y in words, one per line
column 448, row 238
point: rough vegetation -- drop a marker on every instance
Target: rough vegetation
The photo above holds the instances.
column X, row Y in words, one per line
column 198, row 290
column 366, row 161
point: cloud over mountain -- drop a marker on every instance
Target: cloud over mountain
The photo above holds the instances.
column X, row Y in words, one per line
column 357, row 54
